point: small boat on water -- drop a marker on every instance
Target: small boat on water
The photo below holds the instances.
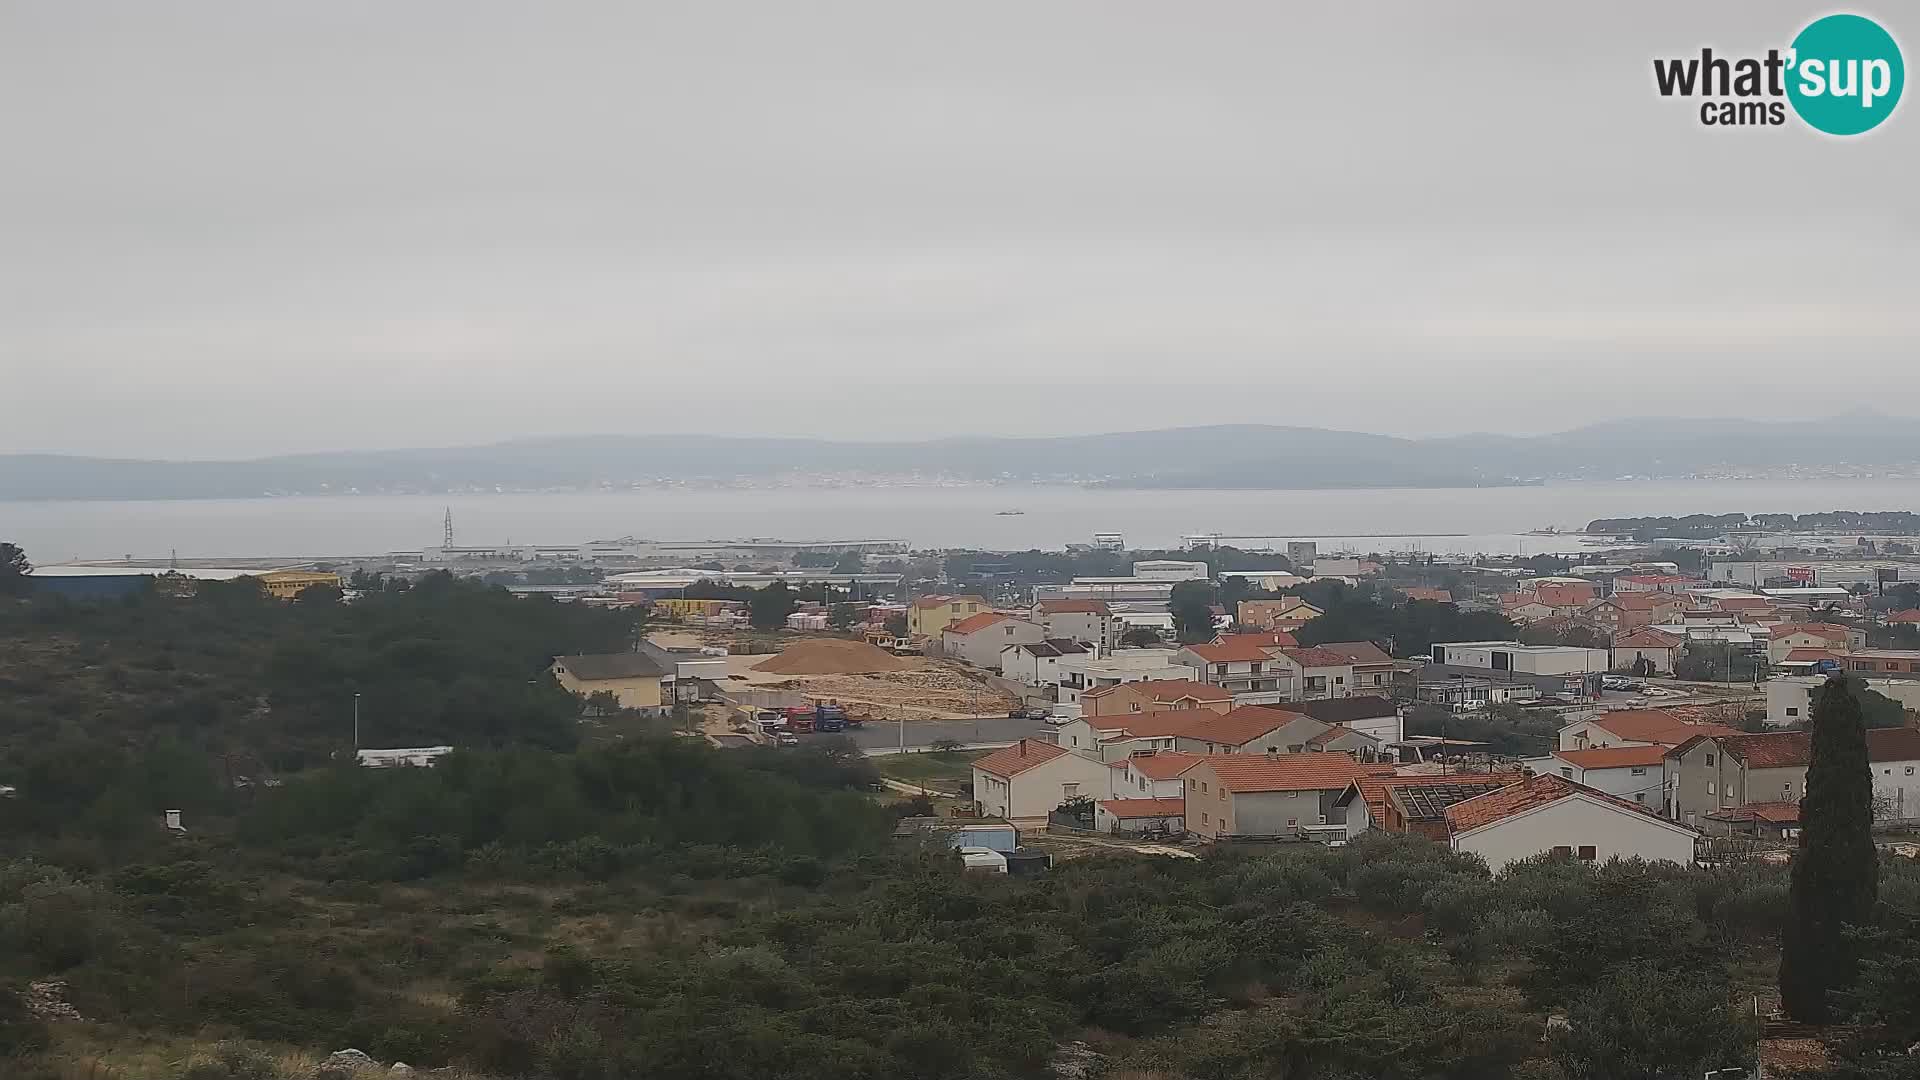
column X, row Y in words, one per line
column 1008, row 513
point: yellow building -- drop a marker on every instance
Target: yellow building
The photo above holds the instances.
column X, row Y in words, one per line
column 927, row 616
column 286, row 584
column 634, row 679
column 692, row 609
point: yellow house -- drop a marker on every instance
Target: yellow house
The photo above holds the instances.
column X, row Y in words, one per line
column 634, row 679
column 286, row 584
column 927, row 616
column 685, row 609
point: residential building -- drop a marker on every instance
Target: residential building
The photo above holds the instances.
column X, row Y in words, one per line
column 1526, row 609
column 1037, row 663
column 1243, row 665
column 1319, row 672
column 1465, row 689
column 1709, row 773
column 1373, row 715
column 1416, row 592
column 1345, row 740
column 928, row 616
column 1549, row 813
column 1337, row 567
column 978, row 639
column 1828, row 637
column 1905, row 617
column 1563, row 594
column 1634, row 727
column 1373, row 669
column 1115, row 738
column 1249, row 729
column 1087, row 672
column 1647, row 651
column 1629, row 611
column 1634, row 773
column 1790, row 697
column 1668, row 583
column 1292, row 795
column 634, row 679
column 287, row 584
column 1154, row 695
column 1264, row 614
column 1089, row 622
column 1526, row 659
column 1029, row 779
column 1885, row 663
column 1414, row 803
column 1140, row 815
column 1152, row 774
column 1765, row 821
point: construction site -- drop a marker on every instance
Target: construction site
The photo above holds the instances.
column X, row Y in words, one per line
column 868, row 682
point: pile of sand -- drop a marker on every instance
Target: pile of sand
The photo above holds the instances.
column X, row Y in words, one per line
column 831, row 657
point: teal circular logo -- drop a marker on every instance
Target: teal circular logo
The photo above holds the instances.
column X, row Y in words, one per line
column 1845, row 74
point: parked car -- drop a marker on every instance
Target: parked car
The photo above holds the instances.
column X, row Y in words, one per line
column 788, row 740
column 1054, row 720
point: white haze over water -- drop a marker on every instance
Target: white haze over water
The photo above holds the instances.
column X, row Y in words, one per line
column 1489, row 520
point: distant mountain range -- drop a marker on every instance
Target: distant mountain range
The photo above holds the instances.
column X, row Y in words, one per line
column 1226, row 456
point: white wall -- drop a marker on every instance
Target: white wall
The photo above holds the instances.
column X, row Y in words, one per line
column 1896, row 789
column 1575, row 822
column 982, row 647
column 1035, row 792
column 1644, row 787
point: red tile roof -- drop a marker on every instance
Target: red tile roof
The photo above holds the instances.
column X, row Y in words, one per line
column 1647, row 638
column 1438, row 596
column 1010, row 761
column 1145, row 808
column 1163, row 765
column 1069, row 607
column 1641, row 601
column 973, row 624
column 1803, row 654
column 1535, row 791
column 1893, row 744
column 1613, row 757
column 1235, row 648
column 1241, row 726
column 1317, row 657
column 1656, row 726
column 1165, row 690
column 1774, row 813
column 1357, row 652
column 1374, row 785
column 1250, row 773
column 1151, row 725
column 1910, row 615
column 1770, row 749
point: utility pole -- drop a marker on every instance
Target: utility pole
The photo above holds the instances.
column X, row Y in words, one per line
column 356, row 723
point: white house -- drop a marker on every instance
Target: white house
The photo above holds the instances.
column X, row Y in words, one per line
column 1634, row 727
column 1152, row 775
column 1552, row 814
column 1086, row 672
column 1646, row 650
column 978, row 639
column 1790, row 697
column 1028, row 779
column 1089, row 622
column 1522, row 659
column 1634, row 773
column 1247, row 666
column 1894, row 756
column 1037, row 663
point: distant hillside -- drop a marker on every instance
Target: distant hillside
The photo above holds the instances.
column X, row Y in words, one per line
column 1226, row 456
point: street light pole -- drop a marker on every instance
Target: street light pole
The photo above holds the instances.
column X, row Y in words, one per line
column 356, row 722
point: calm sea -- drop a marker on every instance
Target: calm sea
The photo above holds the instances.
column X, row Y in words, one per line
column 1492, row 520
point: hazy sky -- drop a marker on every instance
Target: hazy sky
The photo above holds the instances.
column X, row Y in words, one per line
column 231, row 228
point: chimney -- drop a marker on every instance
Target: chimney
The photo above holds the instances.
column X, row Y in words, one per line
column 1023, row 748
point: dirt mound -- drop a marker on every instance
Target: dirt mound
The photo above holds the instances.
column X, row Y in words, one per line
column 830, row 657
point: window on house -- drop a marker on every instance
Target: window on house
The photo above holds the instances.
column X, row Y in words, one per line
column 1203, row 817
column 1637, row 770
column 1709, row 760
column 1640, row 796
column 1567, row 772
column 1069, row 790
column 1203, row 787
column 1588, row 853
column 1223, row 794
column 1562, row 849
column 1710, row 790
column 1291, row 822
column 1909, row 770
column 1192, row 785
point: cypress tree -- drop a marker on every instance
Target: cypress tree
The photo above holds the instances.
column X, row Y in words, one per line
column 1836, row 873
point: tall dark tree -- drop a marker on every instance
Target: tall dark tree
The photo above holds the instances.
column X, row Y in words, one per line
column 1836, row 874
column 14, row 568
column 768, row 608
column 1192, row 608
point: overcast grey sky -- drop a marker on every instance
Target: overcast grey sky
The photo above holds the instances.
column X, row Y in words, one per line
column 233, row 227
